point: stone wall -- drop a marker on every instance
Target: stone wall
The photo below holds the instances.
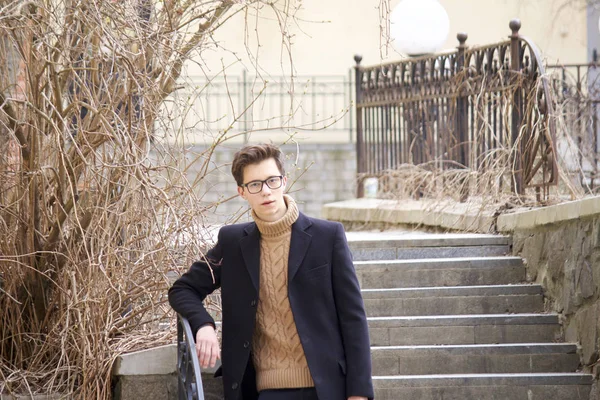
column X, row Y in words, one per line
column 317, row 174
column 561, row 249
column 565, row 259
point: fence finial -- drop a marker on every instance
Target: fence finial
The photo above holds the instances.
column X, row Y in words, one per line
column 357, row 58
column 462, row 39
column 515, row 25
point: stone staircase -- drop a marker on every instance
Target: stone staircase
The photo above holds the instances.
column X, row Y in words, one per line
column 451, row 317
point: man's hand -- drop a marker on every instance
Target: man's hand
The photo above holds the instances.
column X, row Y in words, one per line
column 357, row 398
column 207, row 346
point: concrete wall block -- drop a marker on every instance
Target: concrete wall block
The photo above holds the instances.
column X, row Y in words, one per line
column 223, row 154
column 301, row 207
column 313, row 210
column 331, row 167
column 347, row 174
column 315, row 185
column 327, row 196
column 156, row 361
column 299, row 174
column 350, row 163
column 345, row 186
column 315, row 157
column 345, row 196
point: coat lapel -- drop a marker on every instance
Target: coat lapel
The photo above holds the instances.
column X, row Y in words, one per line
column 299, row 244
column 250, row 246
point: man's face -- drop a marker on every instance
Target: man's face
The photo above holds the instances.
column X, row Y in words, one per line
column 268, row 204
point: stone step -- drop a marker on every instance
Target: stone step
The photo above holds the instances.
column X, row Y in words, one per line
column 472, row 359
column 541, row 386
column 464, row 329
column 406, row 245
column 491, row 299
column 468, row 271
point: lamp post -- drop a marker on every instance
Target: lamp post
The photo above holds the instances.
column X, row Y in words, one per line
column 419, row 27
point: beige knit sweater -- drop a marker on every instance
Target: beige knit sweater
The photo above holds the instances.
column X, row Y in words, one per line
column 279, row 358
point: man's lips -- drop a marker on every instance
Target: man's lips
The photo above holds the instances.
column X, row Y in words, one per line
column 266, row 203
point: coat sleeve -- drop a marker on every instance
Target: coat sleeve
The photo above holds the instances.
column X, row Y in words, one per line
column 352, row 319
column 187, row 294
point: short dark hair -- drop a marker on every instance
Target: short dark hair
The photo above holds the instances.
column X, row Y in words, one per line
column 254, row 154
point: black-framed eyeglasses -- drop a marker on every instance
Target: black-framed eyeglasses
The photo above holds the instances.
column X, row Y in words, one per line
column 273, row 182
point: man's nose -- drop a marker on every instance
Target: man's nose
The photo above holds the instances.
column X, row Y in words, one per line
column 265, row 188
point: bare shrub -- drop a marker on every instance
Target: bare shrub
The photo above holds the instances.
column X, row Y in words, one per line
column 96, row 206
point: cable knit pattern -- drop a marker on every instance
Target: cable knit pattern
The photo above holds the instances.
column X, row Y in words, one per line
column 279, row 358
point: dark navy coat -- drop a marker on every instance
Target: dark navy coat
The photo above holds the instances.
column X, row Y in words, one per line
column 324, row 296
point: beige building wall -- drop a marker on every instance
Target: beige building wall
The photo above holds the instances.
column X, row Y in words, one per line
column 326, row 34
column 323, row 36
column 558, row 27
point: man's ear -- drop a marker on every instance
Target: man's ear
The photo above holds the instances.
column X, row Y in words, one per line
column 241, row 192
column 284, row 182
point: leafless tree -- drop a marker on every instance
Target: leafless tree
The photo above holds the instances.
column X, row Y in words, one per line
column 95, row 207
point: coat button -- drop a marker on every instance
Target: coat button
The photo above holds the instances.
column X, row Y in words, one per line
column 246, row 344
column 253, row 303
column 234, row 386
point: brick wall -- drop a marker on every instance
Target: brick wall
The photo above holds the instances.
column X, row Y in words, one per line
column 317, row 174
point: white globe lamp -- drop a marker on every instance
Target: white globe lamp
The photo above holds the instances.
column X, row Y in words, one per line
column 419, row 27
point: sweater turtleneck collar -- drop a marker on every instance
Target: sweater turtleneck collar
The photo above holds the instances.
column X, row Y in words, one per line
column 283, row 224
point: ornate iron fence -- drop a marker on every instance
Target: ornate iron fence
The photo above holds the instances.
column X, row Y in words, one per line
column 577, row 88
column 188, row 367
column 466, row 108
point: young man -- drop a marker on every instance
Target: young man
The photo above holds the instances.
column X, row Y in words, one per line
column 294, row 325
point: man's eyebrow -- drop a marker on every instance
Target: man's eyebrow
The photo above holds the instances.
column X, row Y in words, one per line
column 268, row 177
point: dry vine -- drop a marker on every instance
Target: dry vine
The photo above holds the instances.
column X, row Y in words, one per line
column 487, row 187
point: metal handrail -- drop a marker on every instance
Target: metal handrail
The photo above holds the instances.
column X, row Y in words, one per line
column 188, row 366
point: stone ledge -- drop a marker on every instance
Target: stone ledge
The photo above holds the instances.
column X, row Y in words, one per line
column 156, row 361
column 549, row 215
column 454, row 216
